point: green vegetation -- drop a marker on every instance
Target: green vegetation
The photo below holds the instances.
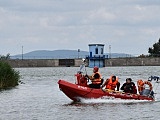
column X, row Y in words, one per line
column 8, row 76
column 2, row 57
column 155, row 50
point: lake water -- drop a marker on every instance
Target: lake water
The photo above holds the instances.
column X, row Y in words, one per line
column 40, row 98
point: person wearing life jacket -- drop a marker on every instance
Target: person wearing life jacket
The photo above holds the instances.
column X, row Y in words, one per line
column 143, row 90
column 112, row 83
column 129, row 86
column 95, row 78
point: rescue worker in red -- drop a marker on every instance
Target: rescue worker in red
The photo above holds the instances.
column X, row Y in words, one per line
column 95, row 78
column 112, row 83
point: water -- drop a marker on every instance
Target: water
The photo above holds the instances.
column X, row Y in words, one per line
column 40, row 98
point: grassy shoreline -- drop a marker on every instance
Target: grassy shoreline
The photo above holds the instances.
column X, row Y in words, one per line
column 8, row 76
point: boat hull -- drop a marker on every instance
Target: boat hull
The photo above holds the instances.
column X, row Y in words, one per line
column 74, row 92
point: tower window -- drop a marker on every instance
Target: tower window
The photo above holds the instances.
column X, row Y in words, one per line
column 96, row 51
column 101, row 50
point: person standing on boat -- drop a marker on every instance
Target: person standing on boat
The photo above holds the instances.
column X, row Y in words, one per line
column 112, row 83
column 129, row 86
column 95, row 78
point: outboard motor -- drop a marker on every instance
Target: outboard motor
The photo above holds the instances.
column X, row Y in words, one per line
column 81, row 79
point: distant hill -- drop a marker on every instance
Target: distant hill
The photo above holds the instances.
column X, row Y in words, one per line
column 56, row 54
column 60, row 54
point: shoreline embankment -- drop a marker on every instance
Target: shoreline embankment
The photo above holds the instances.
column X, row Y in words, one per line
column 133, row 61
column 18, row 63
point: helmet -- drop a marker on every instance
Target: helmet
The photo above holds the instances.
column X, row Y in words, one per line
column 96, row 69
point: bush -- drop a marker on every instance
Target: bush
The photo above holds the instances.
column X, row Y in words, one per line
column 8, row 76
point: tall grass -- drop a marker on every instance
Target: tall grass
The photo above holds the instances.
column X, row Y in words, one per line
column 8, row 76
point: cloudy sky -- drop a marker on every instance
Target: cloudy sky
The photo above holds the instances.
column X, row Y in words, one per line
column 129, row 26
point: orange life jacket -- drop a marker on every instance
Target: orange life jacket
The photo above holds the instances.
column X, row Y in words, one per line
column 112, row 85
column 96, row 81
column 139, row 84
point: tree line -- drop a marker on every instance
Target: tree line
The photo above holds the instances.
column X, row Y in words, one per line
column 3, row 57
column 155, row 50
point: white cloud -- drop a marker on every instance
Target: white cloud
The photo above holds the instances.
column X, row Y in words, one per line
column 67, row 24
column 99, row 16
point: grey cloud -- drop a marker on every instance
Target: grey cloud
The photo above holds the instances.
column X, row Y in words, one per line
column 75, row 24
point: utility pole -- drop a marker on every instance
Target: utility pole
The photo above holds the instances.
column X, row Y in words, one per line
column 78, row 52
column 22, row 52
column 109, row 51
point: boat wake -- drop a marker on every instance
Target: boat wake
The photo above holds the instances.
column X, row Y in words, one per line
column 110, row 100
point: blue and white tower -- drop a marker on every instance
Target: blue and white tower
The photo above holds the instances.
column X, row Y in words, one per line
column 96, row 55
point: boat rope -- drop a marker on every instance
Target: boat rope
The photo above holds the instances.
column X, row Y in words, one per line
column 88, row 92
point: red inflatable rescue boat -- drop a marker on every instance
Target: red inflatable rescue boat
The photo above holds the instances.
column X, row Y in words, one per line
column 82, row 90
